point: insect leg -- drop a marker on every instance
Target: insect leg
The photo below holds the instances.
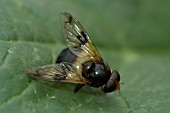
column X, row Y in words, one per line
column 78, row 87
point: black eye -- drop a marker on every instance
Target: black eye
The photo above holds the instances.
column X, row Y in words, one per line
column 115, row 75
column 110, row 86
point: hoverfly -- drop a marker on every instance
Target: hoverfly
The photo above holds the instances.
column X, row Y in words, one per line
column 80, row 63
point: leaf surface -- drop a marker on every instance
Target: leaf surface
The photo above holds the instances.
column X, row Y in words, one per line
column 132, row 37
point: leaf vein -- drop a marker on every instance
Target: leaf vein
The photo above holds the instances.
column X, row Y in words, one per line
column 14, row 96
column 148, row 104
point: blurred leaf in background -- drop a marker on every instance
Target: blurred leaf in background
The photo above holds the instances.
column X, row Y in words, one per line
column 132, row 36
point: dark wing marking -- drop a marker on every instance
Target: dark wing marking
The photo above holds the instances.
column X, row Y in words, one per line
column 63, row 72
column 77, row 39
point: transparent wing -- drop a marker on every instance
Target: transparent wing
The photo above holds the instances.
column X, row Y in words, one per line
column 77, row 39
column 62, row 72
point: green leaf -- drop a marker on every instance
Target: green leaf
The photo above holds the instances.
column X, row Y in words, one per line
column 132, row 37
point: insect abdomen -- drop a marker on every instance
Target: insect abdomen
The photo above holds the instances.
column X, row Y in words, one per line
column 66, row 56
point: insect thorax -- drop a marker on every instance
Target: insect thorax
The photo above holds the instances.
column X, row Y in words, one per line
column 96, row 72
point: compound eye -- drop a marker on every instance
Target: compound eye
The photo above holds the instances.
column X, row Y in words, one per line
column 115, row 75
column 110, row 86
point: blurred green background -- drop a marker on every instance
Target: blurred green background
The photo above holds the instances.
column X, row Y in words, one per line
column 131, row 36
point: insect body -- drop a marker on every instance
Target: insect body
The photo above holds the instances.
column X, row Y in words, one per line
column 79, row 63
